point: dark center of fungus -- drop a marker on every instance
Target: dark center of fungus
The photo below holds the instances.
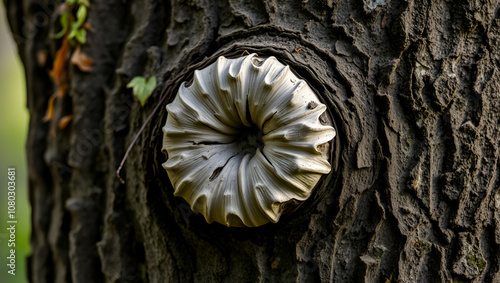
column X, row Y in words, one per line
column 249, row 139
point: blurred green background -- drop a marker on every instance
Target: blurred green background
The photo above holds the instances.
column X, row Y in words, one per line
column 13, row 132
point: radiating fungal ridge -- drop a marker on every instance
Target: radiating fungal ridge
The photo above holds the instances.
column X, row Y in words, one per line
column 244, row 139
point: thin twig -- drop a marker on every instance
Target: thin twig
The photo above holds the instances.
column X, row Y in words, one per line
column 137, row 136
column 164, row 95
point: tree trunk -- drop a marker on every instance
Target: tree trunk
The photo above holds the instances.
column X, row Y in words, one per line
column 413, row 87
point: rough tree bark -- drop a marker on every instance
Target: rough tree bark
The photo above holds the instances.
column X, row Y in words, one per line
column 413, row 87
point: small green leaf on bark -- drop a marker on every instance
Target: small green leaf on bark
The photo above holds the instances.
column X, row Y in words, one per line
column 142, row 88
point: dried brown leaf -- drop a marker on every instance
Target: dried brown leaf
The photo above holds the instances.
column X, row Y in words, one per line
column 49, row 113
column 63, row 90
column 59, row 69
column 88, row 26
column 82, row 61
column 64, row 121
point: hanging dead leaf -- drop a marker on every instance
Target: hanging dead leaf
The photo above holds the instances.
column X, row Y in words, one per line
column 49, row 114
column 58, row 73
column 63, row 90
column 64, row 121
column 82, row 61
column 88, row 26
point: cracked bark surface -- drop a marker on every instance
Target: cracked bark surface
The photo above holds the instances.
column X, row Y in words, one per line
column 413, row 87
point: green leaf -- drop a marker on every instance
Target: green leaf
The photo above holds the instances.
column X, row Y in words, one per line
column 64, row 25
column 81, row 15
column 73, row 26
column 142, row 89
column 70, row 2
column 72, row 34
column 81, row 36
column 84, row 2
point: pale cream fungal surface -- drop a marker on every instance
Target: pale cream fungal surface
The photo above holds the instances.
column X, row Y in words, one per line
column 244, row 139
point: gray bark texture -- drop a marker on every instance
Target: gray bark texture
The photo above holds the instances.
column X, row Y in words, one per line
column 413, row 87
